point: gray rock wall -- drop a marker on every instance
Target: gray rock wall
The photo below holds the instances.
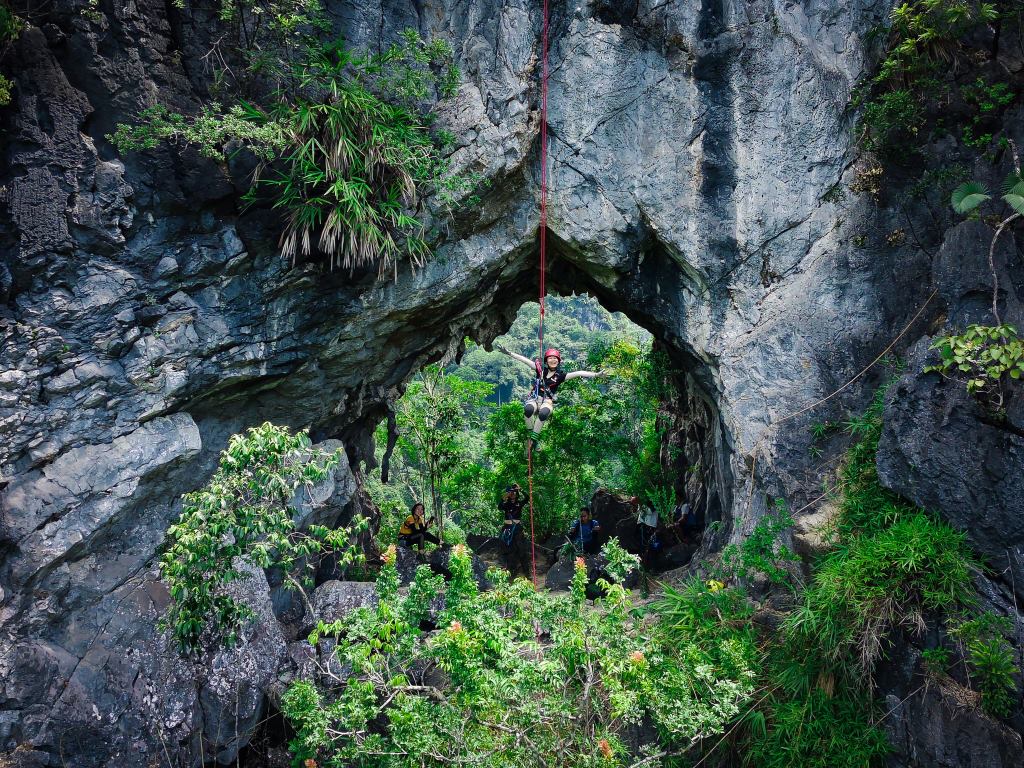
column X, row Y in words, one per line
column 146, row 318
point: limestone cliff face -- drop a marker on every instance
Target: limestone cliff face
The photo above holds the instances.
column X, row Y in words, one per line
column 696, row 150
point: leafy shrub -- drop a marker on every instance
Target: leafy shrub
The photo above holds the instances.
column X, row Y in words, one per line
column 822, row 729
column 436, row 418
column 893, row 117
column 875, row 583
column 619, row 563
column 243, row 511
column 890, row 564
column 986, row 356
column 761, row 551
column 924, row 36
column 346, row 151
column 663, row 499
column 521, row 679
column 936, row 661
column 991, row 657
column 454, row 534
column 705, row 616
column 988, row 102
column 10, row 25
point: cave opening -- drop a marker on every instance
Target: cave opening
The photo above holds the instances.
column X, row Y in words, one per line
column 649, row 431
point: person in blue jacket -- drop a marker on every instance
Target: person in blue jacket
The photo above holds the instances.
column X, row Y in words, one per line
column 583, row 532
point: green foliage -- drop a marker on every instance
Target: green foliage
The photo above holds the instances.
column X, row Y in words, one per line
column 938, row 183
column 346, row 149
column 601, row 435
column 11, row 25
column 968, row 196
column 923, row 38
column 435, row 417
column 618, row 562
column 570, row 463
column 936, row 661
column 606, row 434
column 874, row 583
column 891, row 563
column 244, row 511
column 891, row 558
column 891, row 118
column 663, row 500
column 817, row 730
column 991, row 658
column 988, row 102
column 209, row 131
column 265, row 32
column 985, row 356
column 522, row 679
column 761, row 551
column 707, row 617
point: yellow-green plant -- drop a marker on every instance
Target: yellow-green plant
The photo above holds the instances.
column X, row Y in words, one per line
column 986, row 356
column 991, row 658
column 516, row 679
column 245, row 511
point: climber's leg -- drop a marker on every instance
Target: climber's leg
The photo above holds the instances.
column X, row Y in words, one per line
column 530, row 412
column 543, row 414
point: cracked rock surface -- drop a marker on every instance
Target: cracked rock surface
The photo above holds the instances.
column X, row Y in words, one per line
column 144, row 317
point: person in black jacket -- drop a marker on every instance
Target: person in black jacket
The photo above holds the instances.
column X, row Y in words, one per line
column 517, row 554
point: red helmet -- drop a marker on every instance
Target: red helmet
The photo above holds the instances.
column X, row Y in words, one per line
column 553, row 353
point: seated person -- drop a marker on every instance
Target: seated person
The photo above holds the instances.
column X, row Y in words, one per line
column 583, row 530
column 413, row 532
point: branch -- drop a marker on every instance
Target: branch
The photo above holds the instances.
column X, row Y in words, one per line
column 992, row 264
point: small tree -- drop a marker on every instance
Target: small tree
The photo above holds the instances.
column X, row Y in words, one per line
column 245, row 511
column 434, row 417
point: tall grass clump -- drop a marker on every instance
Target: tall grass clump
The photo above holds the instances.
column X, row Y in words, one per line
column 891, row 566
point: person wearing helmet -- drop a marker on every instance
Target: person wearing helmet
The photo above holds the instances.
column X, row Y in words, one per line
column 549, row 376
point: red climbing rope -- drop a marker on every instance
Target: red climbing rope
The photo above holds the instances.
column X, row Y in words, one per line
column 543, row 255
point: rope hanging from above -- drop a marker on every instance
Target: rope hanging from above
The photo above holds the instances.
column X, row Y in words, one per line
column 543, row 256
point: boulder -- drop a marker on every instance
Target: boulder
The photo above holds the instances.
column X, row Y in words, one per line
column 559, row 577
column 234, row 682
column 334, row 600
column 617, row 518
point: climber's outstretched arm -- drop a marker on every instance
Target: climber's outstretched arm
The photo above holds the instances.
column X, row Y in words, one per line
column 586, row 375
column 515, row 356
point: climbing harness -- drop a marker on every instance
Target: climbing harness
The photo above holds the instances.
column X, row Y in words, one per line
column 543, row 255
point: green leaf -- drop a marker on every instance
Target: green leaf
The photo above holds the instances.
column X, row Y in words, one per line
column 968, row 196
column 1015, row 201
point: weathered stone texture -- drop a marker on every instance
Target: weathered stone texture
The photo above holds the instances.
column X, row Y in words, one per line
column 145, row 318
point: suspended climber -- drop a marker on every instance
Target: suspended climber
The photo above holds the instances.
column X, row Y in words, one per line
column 548, row 377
